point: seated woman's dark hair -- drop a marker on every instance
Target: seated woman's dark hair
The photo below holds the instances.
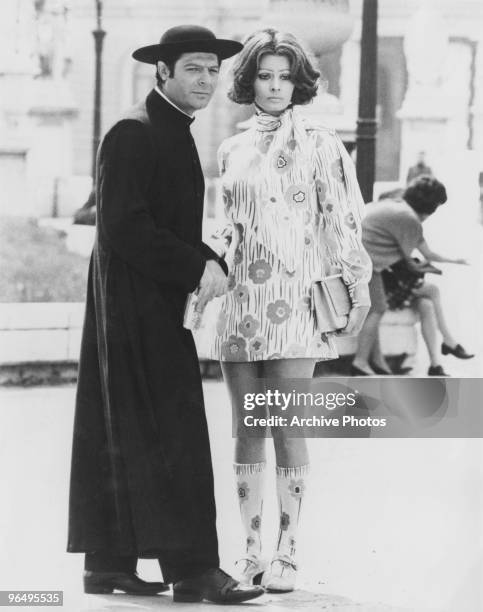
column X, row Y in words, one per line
column 424, row 194
column 269, row 41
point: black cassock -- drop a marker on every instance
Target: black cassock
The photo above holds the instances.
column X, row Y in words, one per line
column 141, row 480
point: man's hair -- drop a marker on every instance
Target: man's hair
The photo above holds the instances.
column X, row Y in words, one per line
column 170, row 63
column 272, row 42
column 424, row 194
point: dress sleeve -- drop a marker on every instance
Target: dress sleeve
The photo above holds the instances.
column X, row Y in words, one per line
column 124, row 217
column 227, row 233
column 342, row 207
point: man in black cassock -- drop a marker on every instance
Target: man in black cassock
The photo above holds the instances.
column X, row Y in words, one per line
column 141, row 479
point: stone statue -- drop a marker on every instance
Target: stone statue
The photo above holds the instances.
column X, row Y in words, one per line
column 52, row 27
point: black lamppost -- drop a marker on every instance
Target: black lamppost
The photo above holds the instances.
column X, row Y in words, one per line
column 98, row 34
column 367, row 124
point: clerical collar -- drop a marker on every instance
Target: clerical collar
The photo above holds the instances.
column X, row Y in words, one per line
column 163, row 95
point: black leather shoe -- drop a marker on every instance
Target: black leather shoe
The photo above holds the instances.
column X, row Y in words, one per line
column 437, row 371
column 97, row 583
column 457, row 351
column 214, row 585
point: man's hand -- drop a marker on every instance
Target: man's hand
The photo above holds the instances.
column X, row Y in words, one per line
column 357, row 316
column 213, row 283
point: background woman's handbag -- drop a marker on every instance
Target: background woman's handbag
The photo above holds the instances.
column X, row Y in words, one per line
column 401, row 278
column 331, row 303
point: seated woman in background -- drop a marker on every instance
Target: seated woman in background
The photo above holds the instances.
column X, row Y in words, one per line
column 391, row 230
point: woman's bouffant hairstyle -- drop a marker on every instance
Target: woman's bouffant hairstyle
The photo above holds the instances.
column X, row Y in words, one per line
column 269, row 41
column 424, row 194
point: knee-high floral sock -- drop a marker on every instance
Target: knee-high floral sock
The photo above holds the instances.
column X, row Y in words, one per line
column 250, row 478
column 291, row 487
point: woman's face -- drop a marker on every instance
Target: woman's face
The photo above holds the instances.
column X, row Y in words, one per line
column 272, row 87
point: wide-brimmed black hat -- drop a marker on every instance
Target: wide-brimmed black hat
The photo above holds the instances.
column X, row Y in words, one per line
column 186, row 39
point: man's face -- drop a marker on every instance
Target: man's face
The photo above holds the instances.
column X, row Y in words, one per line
column 193, row 82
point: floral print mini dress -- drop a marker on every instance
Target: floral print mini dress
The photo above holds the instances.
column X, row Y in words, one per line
column 294, row 209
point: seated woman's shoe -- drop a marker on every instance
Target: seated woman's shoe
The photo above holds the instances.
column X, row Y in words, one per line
column 281, row 576
column 436, row 371
column 457, row 351
column 249, row 569
column 214, row 585
column 97, row 583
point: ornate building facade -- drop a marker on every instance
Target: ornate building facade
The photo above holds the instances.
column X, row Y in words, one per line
column 430, row 68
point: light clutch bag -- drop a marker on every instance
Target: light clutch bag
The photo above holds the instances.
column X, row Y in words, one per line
column 331, row 303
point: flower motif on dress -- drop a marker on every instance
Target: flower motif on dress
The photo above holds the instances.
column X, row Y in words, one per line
column 248, row 326
column 289, row 275
column 329, row 206
column 308, row 239
column 321, row 189
column 350, row 221
column 294, row 351
column 231, row 282
column 296, row 196
column 282, row 162
column 316, row 344
column 297, row 488
column 284, row 521
column 337, row 170
column 259, row 272
column 234, row 349
column 238, row 256
column 257, row 345
column 227, row 199
column 240, row 230
column 243, row 492
column 278, row 311
column 250, row 542
column 241, row 294
column 292, row 144
column 256, row 522
column 221, row 323
column 304, row 304
column 265, row 143
column 358, row 262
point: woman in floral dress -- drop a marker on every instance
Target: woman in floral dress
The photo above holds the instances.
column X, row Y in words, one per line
column 294, row 207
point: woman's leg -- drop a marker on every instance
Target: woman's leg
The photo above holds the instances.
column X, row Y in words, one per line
column 429, row 328
column 377, row 357
column 291, row 472
column 431, row 292
column 249, row 464
column 368, row 338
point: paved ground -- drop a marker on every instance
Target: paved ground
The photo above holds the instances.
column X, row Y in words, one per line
column 389, row 525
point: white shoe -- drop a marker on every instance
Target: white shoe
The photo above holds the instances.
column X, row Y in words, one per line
column 281, row 576
column 249, row 569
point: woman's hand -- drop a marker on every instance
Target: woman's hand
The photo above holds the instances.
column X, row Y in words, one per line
column 357, row 316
